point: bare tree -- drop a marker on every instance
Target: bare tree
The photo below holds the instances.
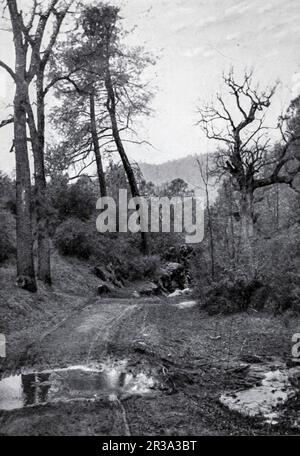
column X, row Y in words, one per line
column 247, row 156
column 30, row 34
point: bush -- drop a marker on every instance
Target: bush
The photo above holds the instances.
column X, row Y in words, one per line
column 7, row 193
column 230, row 295
column 72, row 200
column 139, row 268
column 73, row 238
column 6, row 246
column 279, row 264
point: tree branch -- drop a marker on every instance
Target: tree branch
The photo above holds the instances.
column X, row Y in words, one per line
column 8, row 69
column 5, row 122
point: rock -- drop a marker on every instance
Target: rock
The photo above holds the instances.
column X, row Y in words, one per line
column 173, row 276
column 108, row 275
column 178, row 292
column 101, row 273
column 293, row 362
column 251, row 359
column 294, row 376
column 185, row 304
column 105, row 288
column 149, row 289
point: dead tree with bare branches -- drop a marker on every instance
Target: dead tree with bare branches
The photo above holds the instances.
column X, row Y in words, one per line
column 239, row 123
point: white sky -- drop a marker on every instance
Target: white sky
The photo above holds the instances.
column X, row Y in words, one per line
column 196, row 41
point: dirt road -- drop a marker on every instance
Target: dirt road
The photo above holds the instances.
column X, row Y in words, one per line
column 190, row 357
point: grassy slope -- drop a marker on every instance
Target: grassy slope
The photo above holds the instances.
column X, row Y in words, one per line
column 25, row 316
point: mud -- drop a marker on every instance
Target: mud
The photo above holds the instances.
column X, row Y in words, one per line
column 109, row 379
column 167, row 369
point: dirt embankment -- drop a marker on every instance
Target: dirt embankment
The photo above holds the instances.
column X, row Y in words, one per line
column 25, row 317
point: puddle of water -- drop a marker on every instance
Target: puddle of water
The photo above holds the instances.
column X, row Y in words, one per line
column 264, row 399
column 185, row 304
column 73, row 383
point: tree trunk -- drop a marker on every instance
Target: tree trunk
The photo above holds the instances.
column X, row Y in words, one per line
column 247, row 216
column 277, row 206
column 211, row 237
column 37, row 135
column 100, row 172
column 111, row 105
column 233, row 253
column 25, row 263
column 44, row 263
column 247, row 231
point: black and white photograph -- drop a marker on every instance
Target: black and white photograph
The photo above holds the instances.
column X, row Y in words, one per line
column 149, row 221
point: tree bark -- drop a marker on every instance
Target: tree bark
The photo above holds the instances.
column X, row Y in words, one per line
column 111, row 106
column 211, row 237
column 229, row 197
column 247, row 230
column 100, row 172
column 247, row 216
column 37, row 135
column 25, row 262
column 44, row 263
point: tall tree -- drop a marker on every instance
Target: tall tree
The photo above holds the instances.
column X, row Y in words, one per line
column 39, row 61
column 101, row 27
column 25, row 264
column 205, row 179
column 247, row 155
column 26, row 34
column 81, row 124
column 107, row 80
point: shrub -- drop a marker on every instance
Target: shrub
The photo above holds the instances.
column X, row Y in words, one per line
column 230, row 295
column 72, row 200
column 73, row 238
column 6, row 246
column 139, row 267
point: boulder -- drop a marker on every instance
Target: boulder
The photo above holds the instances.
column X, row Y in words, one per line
column 173, row 276
column 149, row 289
column 105, row 288
column 177, row 292
column 294, row 376
column 101, row 273
column 107, row 274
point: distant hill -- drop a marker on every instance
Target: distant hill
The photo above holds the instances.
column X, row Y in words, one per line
column 186, row 168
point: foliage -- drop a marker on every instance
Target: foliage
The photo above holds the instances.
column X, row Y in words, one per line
column 230, row 295
column 272, row 282
column 7, row 193
column 76, row 200
column 139, row 267
column 72, row 238
column 7, row 247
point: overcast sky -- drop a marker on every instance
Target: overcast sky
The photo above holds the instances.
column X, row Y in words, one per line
column 196, row 41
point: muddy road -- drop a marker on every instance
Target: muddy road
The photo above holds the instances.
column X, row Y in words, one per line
column 142, row 367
